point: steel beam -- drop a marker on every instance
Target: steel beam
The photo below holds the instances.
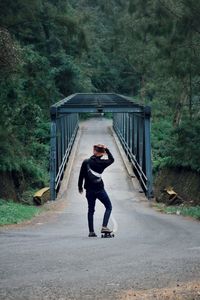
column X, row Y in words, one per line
column 53, row 156
column 110, row 109
column 148, row 162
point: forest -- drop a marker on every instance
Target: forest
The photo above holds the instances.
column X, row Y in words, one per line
column 49, row 49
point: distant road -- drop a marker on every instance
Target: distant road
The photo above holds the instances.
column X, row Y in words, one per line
column 54, row 258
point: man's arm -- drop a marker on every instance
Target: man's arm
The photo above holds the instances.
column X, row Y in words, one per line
column 81, row 177
column 110, row 158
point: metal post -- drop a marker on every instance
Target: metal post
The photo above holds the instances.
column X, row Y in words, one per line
column 141, row 132
column 114, row 121
column 148, row 163
column 58, row 140
column 63, row 136
column 127, row 128
column 135, row 137
column 53, row 155
column 70, row 126
column 127, row 134
column 132, row 135
column 131, row 132
column 65, row 133
column 121, row 124
column 68, row 138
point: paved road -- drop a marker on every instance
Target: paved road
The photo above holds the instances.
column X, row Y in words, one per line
column 54, row 258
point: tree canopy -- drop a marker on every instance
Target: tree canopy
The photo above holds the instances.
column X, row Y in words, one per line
column 148, row 49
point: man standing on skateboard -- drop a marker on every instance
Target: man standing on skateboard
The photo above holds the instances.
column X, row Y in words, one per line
column 90, row 173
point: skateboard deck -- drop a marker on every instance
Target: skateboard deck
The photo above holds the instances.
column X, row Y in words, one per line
column 107, row 235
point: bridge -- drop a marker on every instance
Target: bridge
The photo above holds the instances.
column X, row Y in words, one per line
column 131, row 123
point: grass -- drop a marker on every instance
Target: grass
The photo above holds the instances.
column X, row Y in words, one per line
column 192, row 211
column 14, row 213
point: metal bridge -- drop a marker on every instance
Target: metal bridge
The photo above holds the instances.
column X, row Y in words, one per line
column 131, row 123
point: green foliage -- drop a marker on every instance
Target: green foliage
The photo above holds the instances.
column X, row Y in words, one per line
column 38, row 84
column 184, row 149
column 9, row 53
column 50, row 49
column 175, row 147
column 108, row 115
column 84, row 116
column 10, row 149
column 67, row 74
column 27, row 196
column 191, row 211
column 161, row 139
column 14, row 213
column 35, row 174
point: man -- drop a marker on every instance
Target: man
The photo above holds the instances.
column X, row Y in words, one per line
column 90, row 173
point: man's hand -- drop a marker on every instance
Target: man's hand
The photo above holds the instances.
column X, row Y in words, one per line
column 105, row 147
column 80, row 191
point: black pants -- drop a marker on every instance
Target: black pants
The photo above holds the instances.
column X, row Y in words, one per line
column 91, row 198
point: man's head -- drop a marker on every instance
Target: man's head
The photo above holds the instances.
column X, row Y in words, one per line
column 99, row 150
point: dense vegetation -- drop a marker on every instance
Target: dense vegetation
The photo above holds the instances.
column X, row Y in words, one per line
column 14, row 213
column 145, row 48
column 192, row 211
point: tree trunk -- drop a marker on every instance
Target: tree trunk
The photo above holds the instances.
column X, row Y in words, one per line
column 181, row 103
column 142, row 89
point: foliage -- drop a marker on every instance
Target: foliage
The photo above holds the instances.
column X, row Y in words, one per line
column 9, row 52
column 176, row 147
column 184, row 149
column 191, row 211
column 14, row 213
column 161, row 137
column 85, row 116
column 50, row 49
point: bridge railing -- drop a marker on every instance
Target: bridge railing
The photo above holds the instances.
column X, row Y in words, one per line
column 131, row 123
column 63, row 132
column 133, row 131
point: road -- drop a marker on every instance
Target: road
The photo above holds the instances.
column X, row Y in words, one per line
column 53, row 258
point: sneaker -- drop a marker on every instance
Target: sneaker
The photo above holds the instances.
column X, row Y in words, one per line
column 105, row 230
column 92, row 234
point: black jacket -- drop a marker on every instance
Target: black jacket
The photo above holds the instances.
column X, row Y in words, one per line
column 98, row 165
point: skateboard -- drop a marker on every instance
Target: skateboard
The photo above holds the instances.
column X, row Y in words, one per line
column 107, row 235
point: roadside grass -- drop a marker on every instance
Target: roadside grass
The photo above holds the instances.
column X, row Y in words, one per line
column 191, row 211
column 14, row 213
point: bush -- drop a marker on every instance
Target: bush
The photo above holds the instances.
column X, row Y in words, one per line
column 192, row 211
column 14, row 213
column 34, row 173
column 185, row 150
column 176, row 147
column 161, row 139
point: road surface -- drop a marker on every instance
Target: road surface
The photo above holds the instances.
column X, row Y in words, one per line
column 53, row 258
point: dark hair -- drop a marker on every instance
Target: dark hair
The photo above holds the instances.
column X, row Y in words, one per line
column 99, row 149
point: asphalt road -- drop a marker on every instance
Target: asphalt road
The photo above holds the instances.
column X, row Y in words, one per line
column 54, row 258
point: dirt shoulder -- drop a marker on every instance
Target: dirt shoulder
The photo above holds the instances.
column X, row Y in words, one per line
column 184, row 182
column 183, row 291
